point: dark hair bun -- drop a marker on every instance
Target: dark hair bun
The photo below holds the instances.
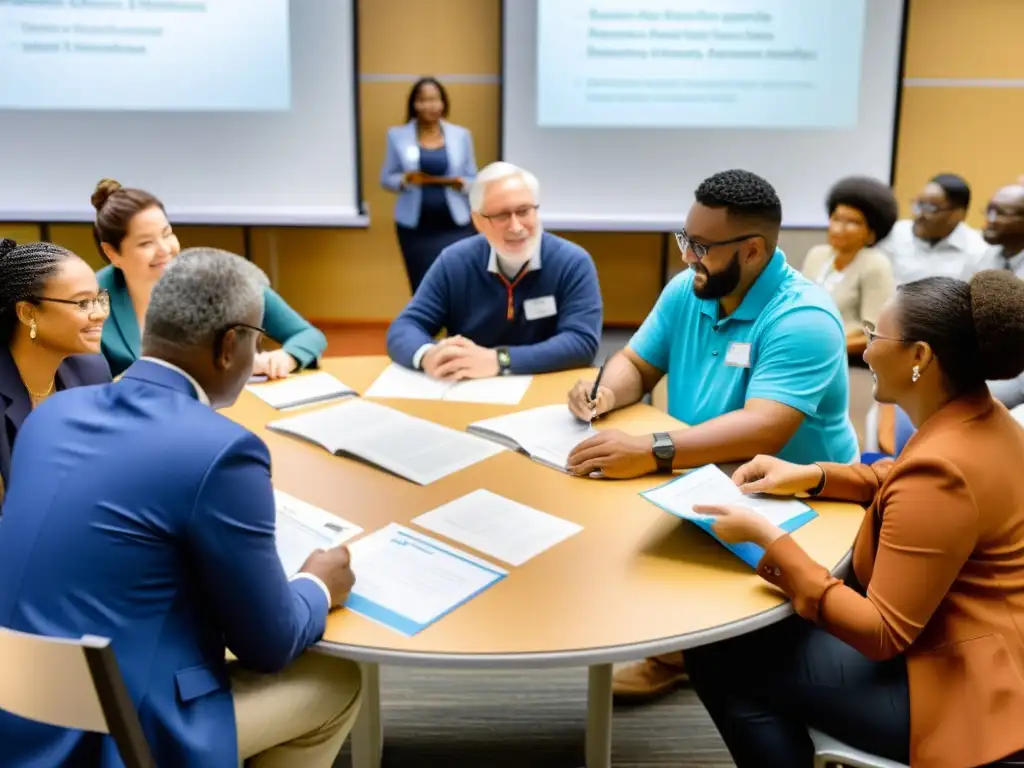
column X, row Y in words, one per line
column 6, row 246
column 104, row 190
column 997, row 308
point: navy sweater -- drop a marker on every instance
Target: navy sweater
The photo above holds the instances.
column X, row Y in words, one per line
column 460, row 295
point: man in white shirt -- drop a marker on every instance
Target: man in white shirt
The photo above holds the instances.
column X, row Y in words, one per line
column 936, row 242
column 1004, row 232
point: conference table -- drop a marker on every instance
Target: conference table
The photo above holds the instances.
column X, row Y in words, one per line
column 634, row 582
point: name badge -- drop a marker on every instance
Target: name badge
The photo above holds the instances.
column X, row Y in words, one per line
column 738, row 355
column 539, row 308
column 412, row 156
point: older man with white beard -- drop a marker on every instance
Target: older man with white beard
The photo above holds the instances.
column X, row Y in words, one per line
column 513, row 299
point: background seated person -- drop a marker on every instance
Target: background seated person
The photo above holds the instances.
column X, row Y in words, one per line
column 160, row 536
column 861, row 211
column 925, row 664
column 756, row 362
column 134, row 235
column 1004, row 232
column 51, row 317
column 936, row 242
column 513, row 299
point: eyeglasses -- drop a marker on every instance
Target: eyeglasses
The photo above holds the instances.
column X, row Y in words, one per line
column 870, row 334
column 260, row 333
column 101, row 303
column 928, row 209
column 504, row 217
column 700, row 250
column 995, row 212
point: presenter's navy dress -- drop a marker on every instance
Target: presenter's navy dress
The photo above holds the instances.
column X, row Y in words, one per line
column 436, row 230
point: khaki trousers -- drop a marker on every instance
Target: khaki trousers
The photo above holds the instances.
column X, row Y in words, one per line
column 299, row 717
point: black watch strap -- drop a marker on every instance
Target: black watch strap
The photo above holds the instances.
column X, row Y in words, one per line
column 664, row 451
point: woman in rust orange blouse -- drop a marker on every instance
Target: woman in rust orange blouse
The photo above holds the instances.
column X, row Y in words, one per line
column 925, row 663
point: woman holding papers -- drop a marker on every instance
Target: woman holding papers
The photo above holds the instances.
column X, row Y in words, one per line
column 925, row 664
column 51, row 314
column 430, row 164
column 135, row 237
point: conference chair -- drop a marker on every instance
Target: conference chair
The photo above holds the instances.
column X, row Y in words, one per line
column 829, row 751
column 71, row 684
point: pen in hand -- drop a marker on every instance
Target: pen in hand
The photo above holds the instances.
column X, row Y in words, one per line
column 593, row 393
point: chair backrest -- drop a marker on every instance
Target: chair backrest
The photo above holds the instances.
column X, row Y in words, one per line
column 71, row 684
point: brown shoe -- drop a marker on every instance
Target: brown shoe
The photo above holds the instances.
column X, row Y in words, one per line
column 649, row 679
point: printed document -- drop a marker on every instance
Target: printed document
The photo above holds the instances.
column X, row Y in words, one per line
column 399, row 382
column 303, row 528
column 547, row 434
column 710, row 485
column 409, row 447
column 407, row 580
column 497, row 526
column 301, row 389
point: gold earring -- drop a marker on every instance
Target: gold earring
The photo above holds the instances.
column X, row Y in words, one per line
column 915, row 374
column 32, row 328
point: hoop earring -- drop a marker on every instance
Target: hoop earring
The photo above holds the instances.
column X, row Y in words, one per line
column 915, row 374
column 32, row 329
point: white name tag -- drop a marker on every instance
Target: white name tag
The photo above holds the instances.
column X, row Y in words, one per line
column 412, row 156
column 738, row 355
column 541, row 307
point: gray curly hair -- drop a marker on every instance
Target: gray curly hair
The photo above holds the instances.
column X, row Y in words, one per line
column 201, row 293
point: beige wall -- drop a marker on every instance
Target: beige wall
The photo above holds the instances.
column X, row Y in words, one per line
column 357, row 275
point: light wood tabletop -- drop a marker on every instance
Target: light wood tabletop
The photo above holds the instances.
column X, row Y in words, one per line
column 635, row 581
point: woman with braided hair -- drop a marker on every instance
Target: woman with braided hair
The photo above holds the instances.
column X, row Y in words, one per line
column 51, row 318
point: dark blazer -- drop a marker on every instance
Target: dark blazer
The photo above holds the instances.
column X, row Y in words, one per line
column 75, row 371
column 139, row 514
column 941, row 553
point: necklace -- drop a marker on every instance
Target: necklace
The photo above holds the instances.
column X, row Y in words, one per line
column 38, row 396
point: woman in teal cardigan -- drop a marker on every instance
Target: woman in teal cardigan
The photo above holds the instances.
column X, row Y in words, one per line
column 134, row 235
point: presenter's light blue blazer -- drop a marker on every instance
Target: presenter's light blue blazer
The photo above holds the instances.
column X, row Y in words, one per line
column 403, row 155
column 122, row 343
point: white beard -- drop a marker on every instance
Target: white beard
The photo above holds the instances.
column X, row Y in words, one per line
column 530, row 247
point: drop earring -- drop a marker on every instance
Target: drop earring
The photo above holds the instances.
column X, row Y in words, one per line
column 915, row 374
column 32, row 329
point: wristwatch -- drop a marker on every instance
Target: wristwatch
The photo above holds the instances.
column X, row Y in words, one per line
column 664, row 451
column 504, row 361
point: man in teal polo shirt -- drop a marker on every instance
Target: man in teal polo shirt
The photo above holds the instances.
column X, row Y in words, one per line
column 756, row 358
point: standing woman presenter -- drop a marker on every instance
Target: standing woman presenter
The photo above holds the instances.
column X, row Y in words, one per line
column 430, row 164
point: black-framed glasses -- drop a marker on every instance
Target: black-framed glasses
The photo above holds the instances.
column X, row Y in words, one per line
column 995, row 212
column 260, row 332
column 504, row 217
column 928, row 209
column 100, row 302
column 700, row 250
column 871, row 334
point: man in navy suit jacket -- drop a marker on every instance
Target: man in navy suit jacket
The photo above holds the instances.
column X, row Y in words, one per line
column 137, row 513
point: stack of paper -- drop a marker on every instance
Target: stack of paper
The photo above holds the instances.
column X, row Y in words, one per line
column 402, row 383
column 547, row 434
column 496, row 526
column 413, row 448
column 407, row 581
column 303, row 528
column 710, row 485
column 302, row 389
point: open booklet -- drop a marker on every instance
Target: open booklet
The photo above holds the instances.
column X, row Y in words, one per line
column 303, row 528
column 547, row 434
column 710, row 485
column 399, row 382
column 301, row 389
column 409, row 447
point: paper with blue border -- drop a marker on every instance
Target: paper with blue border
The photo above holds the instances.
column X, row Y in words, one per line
column 408, row 581
column 709, row 485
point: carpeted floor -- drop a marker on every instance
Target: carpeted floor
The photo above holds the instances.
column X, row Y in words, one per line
column 444, row 719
